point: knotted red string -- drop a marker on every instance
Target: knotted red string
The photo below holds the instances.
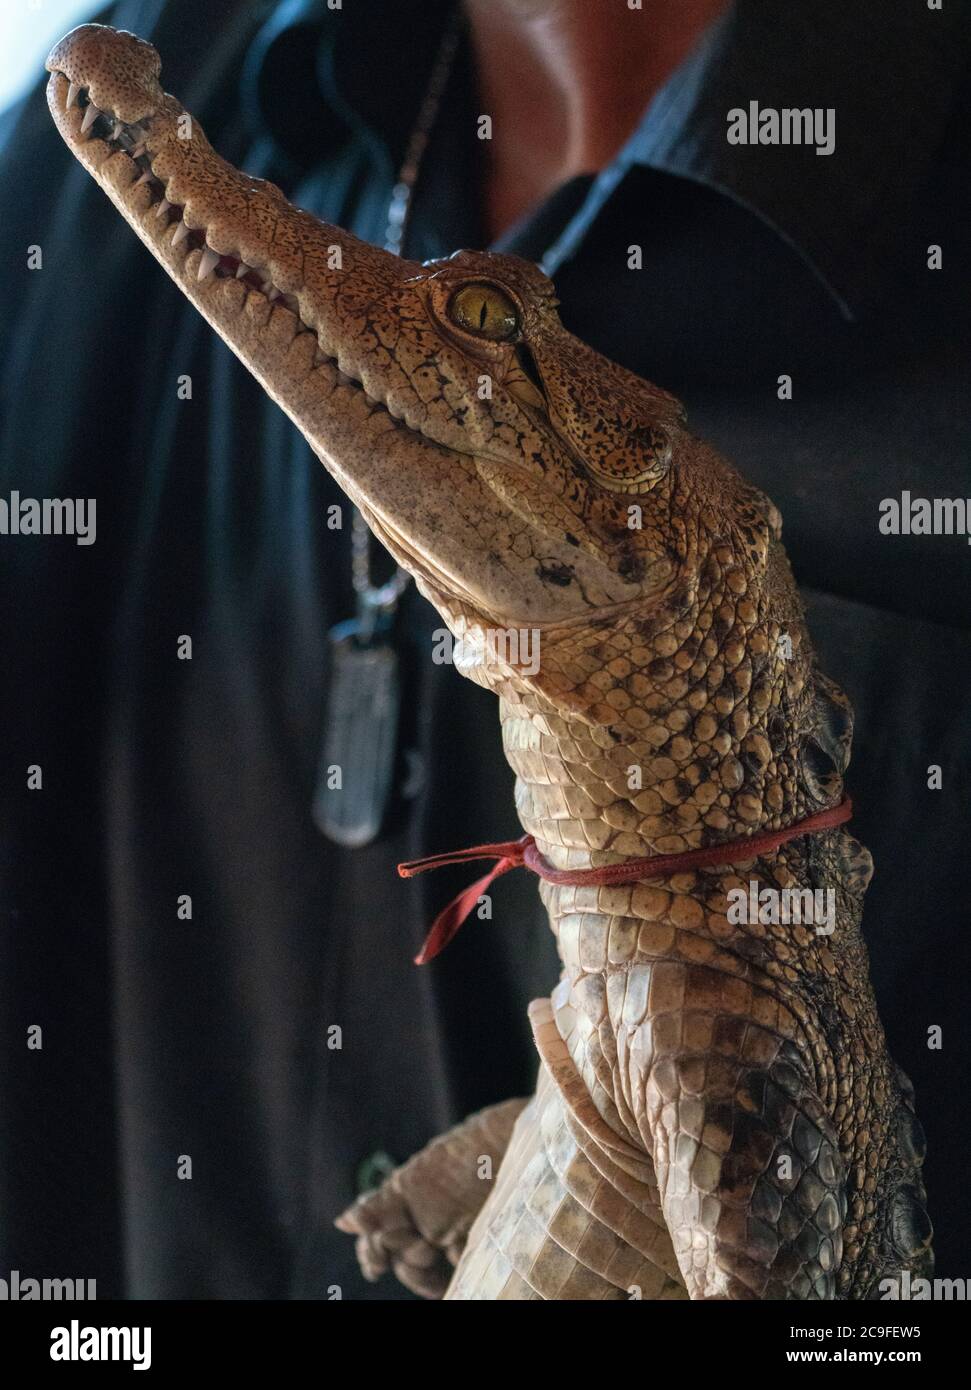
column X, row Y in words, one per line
column 522, row 853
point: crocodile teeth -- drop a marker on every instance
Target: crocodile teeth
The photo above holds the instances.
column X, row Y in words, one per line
column 272, row 294
column 163, row 207
column 137, row 150
column 210, row 259
column 72, row 94
column 241, row 270
column 90, row 116
column 145, row 178
column 181, row 232
column 116, row 130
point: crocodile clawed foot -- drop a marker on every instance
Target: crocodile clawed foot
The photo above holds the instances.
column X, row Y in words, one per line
column 389, row 1239
column 417, row 1222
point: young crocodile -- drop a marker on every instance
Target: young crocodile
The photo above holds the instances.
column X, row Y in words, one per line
column 717, row 1114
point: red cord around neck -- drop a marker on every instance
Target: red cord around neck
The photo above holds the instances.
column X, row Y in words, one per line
column 522, row 853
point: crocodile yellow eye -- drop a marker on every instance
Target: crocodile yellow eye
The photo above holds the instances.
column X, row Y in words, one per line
column 484, row 311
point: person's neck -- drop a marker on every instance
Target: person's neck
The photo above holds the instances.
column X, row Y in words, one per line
column 565, row 83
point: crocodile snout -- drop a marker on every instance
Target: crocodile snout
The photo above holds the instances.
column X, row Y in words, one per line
column 119, row 71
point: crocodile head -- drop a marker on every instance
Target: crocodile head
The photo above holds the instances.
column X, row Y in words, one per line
column 524, row 479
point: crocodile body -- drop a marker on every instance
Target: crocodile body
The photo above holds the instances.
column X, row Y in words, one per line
column 717, row 1115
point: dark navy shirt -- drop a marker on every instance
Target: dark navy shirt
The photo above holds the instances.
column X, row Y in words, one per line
column 208, row 1037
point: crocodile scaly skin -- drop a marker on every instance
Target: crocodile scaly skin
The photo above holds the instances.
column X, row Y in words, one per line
column 717, row 1114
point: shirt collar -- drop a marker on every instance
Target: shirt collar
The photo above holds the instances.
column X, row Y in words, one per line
column 890, row 83
column 314, row 73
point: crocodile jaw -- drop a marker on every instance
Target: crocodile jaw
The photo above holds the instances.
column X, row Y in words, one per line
column 331, row 327
column 210, row 227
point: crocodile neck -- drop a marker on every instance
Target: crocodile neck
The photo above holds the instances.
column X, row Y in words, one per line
column 573, row 796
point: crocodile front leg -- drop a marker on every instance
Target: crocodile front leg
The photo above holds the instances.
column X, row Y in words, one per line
column 417, row 1222
column 752, row 1183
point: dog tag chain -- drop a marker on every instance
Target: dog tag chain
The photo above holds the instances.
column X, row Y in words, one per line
column 357, row 756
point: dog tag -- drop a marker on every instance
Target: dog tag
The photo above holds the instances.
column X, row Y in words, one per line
column 357, row 756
